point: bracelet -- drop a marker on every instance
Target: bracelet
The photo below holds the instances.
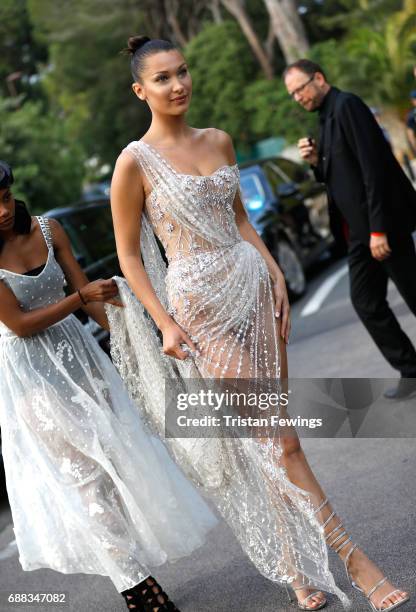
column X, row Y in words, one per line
column 81, row 297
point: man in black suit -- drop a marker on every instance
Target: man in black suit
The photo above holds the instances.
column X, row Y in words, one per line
column 371, row 202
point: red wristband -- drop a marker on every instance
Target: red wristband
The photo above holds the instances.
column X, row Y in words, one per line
column 378, row 233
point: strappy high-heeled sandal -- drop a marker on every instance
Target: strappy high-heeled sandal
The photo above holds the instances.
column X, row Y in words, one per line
column 302, row 605
column 148, row 596
column 337, row 534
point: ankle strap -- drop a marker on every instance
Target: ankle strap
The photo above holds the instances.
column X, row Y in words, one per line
column 328, row 520
column 351, row 550
column 338, row 527
column 322, row 505
column 341, row 546
column 331, row 533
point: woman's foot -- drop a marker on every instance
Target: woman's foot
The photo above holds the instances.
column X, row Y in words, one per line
column 365, row 574
column 309, row 598
column 148, row 596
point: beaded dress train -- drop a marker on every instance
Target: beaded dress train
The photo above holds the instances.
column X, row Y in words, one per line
column 90, row 488
column 217, row 287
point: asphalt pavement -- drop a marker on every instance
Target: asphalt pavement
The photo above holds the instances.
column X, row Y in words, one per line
column 370, row 481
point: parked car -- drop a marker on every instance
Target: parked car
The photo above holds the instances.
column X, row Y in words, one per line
column 96, row 191
column 90, row 230
column 288, row 209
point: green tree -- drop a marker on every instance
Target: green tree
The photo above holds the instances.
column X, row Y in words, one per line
column 271, row 112
column 346, row 15
column 237, row 8
column 374, row 59
column 222, row 66
column 47, row 165
column 388, row 55
column 86, row 77
column 19, row 53
column 288, row 28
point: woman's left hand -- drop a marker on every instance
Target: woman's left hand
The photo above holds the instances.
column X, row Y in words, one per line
column 282, row 307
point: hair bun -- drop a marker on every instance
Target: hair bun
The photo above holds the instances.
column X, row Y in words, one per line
column 135, row 42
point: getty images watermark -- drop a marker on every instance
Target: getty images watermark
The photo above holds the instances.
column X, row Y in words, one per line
column 224, row 403
column 324, row 407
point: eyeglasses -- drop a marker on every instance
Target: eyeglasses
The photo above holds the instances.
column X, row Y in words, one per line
column 302, row 87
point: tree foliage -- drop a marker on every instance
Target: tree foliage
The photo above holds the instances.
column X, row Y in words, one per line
column 19, row 53
column 47, row 165
column 65, row 90
column 270, row 112
column 87, row 77
column 219, row 78
column 375, row 59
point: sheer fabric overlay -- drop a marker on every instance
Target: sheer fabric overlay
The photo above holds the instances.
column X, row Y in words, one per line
column 217, row 288
column 90, row 488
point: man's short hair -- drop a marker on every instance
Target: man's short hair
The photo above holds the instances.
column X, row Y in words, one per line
column 306, row 66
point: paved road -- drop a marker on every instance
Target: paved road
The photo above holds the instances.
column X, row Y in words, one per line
column 332, row 342
column 370, row 481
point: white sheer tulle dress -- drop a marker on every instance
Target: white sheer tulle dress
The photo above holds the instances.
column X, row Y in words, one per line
column 91, row 489
column 217, row 288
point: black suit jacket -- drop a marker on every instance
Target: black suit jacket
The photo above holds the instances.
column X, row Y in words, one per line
column 365, row 183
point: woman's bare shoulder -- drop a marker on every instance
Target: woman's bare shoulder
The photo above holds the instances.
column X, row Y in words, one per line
column 127, row 161
column 220, row 140
column 214, row 135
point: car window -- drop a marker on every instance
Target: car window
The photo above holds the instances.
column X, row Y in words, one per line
column 275, row 176
column 78, row 248
column 295, row 172
column 94, row 228
column 252, row 191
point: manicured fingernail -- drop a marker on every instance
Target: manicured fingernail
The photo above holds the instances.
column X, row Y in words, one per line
column 277, row 314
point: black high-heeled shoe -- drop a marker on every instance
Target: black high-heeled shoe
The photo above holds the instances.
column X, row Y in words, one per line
column 148, row 596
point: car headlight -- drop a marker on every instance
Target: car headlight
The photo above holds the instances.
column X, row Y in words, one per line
column 254, row 203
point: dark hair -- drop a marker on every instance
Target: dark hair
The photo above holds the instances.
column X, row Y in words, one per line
column 140, row 47
column 22, row 220
column 306, row 66
column 6, row 175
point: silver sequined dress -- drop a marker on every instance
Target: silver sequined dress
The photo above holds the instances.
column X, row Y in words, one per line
column 91, row 490
column 217, row 287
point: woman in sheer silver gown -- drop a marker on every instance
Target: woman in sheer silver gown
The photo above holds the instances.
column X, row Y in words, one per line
column 221, row 306
column 90, row 488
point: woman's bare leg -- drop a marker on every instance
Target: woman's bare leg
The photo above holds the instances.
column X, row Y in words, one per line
column 365, row 573
column 299, row 472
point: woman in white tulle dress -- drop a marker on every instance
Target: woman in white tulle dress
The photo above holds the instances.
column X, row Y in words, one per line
column 222, row 309
column 90, row 489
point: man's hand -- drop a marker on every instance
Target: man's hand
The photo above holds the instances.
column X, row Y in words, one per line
column 308, row 151
column 379, row 247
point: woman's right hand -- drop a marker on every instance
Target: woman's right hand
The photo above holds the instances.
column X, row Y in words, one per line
column 101, row 291
column 173, row 337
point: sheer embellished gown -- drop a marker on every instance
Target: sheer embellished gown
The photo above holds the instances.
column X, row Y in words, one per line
column 91, row 489
column 217, row 288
